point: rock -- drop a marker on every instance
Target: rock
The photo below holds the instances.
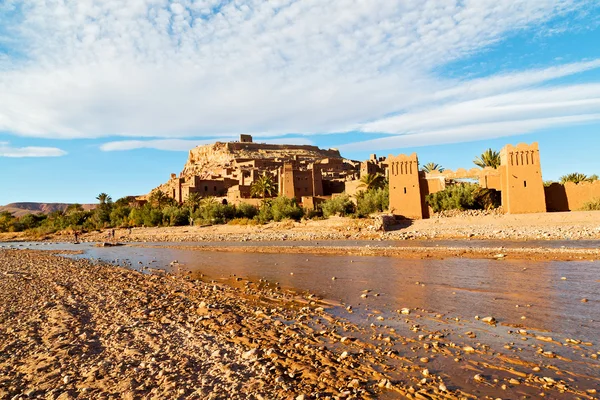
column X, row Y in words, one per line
column 489, row 320
column 424, row 360
column 405, row 311
column 250, row 354
column 468, row 349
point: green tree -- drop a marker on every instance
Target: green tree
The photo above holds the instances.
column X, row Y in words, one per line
column 431, row 166
column 103, row 198
column 159, row 199
column 339, row 205
column 73, row 208
column 372, row 181
column 489, row 158
column 263, row 187
column 192, row 201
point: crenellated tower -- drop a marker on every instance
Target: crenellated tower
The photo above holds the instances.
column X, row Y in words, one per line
column 405, row 191
column 521, row 179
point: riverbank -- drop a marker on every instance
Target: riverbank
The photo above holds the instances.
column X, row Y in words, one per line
column 72, row 328
column 582, row 225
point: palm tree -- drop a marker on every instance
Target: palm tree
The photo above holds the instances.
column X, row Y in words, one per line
column 372, row 181
column 431, row 166
column 158, row 198
column 263, row 187
column 103, row 198
column 193, row 201
column 489, row 158
column 576, row 177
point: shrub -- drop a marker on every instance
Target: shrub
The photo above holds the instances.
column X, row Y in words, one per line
column 455, row 197
column 284, row 208
column 278, row 209
column 212, row 212
column 340, row 205
column 593, row 205
column 245, row 210
column 372, row 201
column 153, row 218
column 175, row 216
column 243, row 221
column 265, row 213
column 487, row 198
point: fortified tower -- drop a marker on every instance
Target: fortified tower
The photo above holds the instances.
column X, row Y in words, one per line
column 521, row 179
column 405, row 190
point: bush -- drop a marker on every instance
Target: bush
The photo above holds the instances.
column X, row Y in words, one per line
column 372, row 201
column 340, row 205
column 243, row 221
column 175, row 216
column 284, row 208
column 153, row 218
column 245, row 210
column 487, row 199
column 455, row 197
column 278, row 209
column 213, row 212
column 593, row 205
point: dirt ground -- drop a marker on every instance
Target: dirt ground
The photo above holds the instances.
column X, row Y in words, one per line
column 544, row 226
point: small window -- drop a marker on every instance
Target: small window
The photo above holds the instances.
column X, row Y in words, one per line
column 206, row 188
column 215, row 188
column 524, row 183
column 404, row 190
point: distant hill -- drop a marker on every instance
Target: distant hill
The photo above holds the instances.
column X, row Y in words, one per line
column 20, row 209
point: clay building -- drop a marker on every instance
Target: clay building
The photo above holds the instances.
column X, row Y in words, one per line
column 519, row 179
column 230, row 169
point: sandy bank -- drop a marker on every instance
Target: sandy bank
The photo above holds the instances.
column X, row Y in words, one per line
column 546, row 226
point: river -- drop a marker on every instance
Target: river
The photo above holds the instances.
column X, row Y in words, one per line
column 548, row 299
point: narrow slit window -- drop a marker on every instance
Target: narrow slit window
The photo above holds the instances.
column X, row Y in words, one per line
column 524, row 183
column 404, row 190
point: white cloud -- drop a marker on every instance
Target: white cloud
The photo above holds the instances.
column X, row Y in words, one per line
column 18, row 152
column 467, row 133
column 185, row 145
column 159, row 68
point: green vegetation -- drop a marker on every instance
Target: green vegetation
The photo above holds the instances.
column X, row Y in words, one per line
column 367, row 202
column 466, row 196
column 431, row 166
column 372, row 181
column 577, row 177
column 372, row 201
column 593, row 205
column 489, row 158
column 278, row 209
column 340, row 205
column 263, row 187
column 160, row 210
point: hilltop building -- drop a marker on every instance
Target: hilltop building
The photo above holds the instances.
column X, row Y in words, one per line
column 228, row 170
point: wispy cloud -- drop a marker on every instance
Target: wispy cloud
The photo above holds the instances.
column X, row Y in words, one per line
column 207, row 68
column 183, row 144
column 18, row 152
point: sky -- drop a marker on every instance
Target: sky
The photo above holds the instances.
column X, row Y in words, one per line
column 108, row 96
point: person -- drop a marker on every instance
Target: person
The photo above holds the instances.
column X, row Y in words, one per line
column 113, row 234
column 76, row 237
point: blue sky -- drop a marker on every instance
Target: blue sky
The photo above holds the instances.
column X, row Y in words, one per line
column 102, row 96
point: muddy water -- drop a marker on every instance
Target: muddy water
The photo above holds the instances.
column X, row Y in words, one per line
column 543, row 298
